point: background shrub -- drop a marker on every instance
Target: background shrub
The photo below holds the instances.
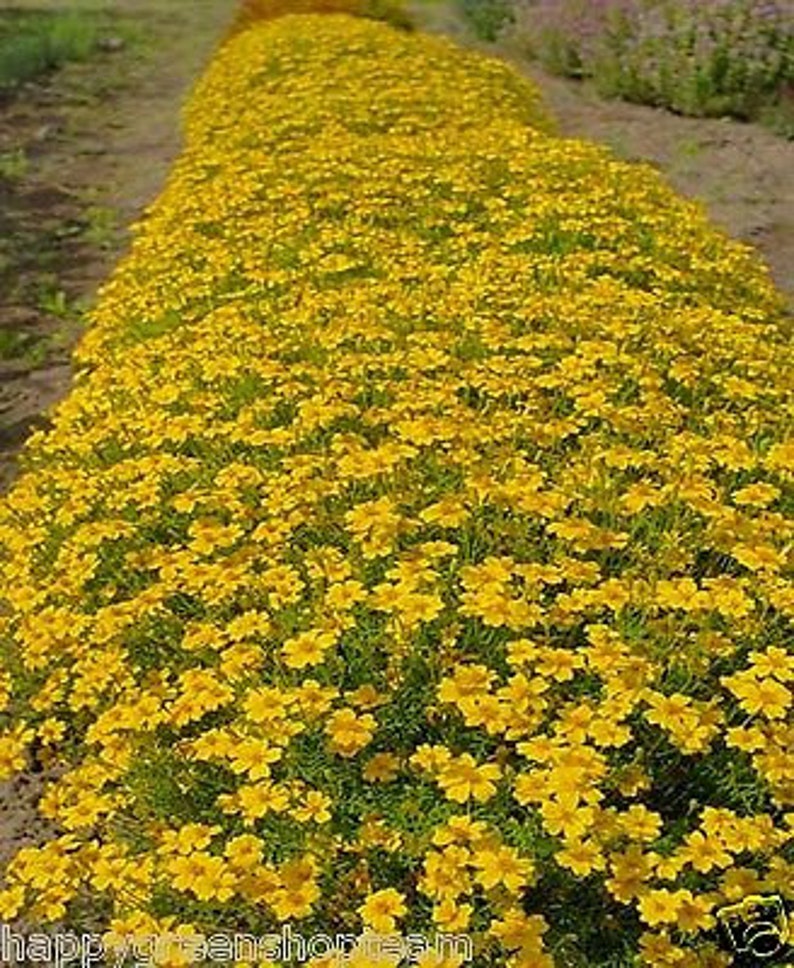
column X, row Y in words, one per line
column 487, row 17
column 699, row 57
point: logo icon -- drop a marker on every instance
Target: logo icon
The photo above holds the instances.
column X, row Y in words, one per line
column 756, row 927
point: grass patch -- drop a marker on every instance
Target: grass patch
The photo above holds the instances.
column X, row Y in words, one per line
column 33, row 43
column 488, row 18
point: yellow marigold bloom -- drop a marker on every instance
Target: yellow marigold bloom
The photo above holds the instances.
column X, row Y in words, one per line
column 467, row 681
column 462, row 779
column 658, row 951
column 581, row 856
column 516, row 929
column 381, row 910
column 382, row 767
column 244, row 853
column 630, row 869
column 446, row 872
column 738, row 883
column 662, row 906
column 350, row 733
column 344, row 595
column 205, row 876
column 608, row 732
column 295, row 901
column 765, row 696
column 187, row 839
column 431, row 758
column 266, row 705
column 668, row 868
column 703, row 853
column 12, row 900
column 459, row 829
column 522, row 652
column 666, row 710
column 640, row 823
column 315, row 806
column 13, row 746
column 254, row 800
column 450, row 513
column 314, row 699
column 366, row 697
column 558, row 664
column 773, row 663
column 253, row 756
column 307, row 648
column 759, row 557
column 451, row 916
column 566, row 817
column 502, row 865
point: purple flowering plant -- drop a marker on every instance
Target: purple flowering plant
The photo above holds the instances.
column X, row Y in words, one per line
column 697, row 57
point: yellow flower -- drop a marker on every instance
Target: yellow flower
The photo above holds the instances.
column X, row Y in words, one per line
column 315, row 806
column 760, row 557
column 244, row 852
column 445, row 873
column 694, row 913
column 451, row 916
column 431, row 758
column 254, row 800
column 640, row 823
column 462, row 779
column 459, row 829
column 467, row 681
column 204, row 875
column 658, row 951
column 703, row 853
column 12, row 751
column 381, row 909
column 382, row 767
column 564, row 816
column 295, row 901
column 350, row 733
column 581, row 856
column 661, row 906
column 766, row 696
column 502, row 865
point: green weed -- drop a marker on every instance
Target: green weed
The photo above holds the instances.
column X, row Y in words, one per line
column 31, row 44
column 13, row 164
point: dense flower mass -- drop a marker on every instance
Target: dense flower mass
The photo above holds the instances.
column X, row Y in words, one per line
column 414, row 550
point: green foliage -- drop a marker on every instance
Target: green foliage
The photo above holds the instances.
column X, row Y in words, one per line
column 487, row 17
column 31, row 44
column 732, row 57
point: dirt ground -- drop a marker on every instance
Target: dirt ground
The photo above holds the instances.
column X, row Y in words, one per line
column 100, row 137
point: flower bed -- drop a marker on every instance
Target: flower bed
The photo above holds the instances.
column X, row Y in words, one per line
column 413, row 552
